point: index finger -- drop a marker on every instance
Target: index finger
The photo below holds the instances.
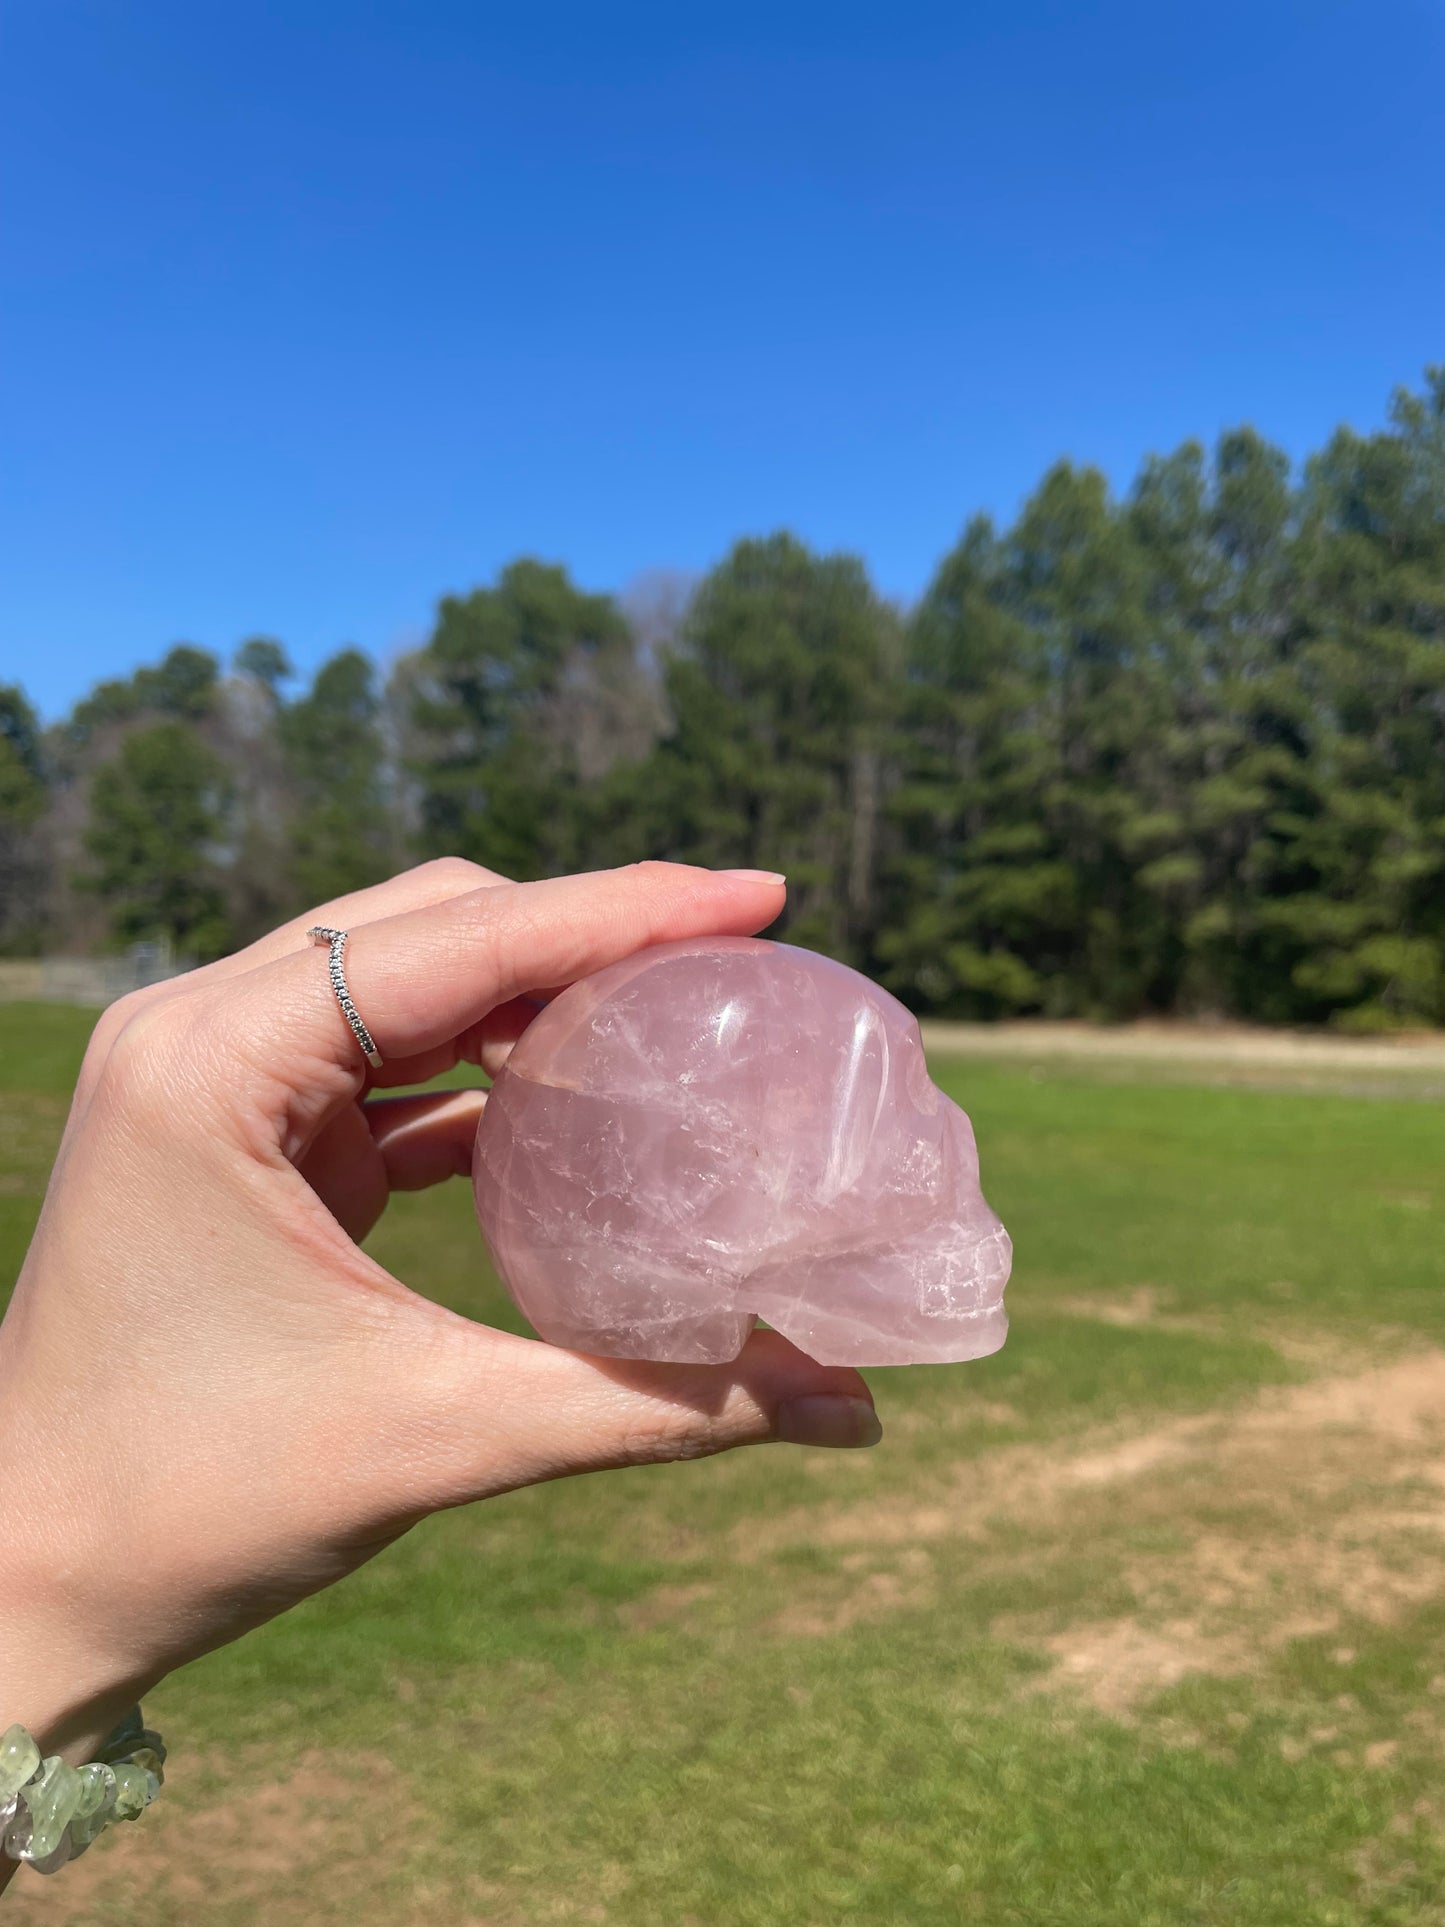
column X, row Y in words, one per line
column 425, row 977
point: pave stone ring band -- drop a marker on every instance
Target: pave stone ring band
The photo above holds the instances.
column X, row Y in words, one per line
column 319, row 933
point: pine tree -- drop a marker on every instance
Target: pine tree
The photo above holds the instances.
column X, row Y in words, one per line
column 23, row 799
column 526, row 696
column 157, row 814
column 338, row 834
column 782, row 694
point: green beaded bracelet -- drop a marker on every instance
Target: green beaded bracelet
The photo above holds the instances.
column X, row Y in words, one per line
column 51, row 1812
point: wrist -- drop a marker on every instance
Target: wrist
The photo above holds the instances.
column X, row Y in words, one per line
column 53, row 1810
column 61, row 1687
column 67, row 1687
column 66, row 1672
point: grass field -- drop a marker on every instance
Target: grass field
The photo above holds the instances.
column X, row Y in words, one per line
column 1141, row 1621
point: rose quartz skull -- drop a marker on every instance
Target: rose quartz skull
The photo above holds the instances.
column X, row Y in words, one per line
column 724, row 1129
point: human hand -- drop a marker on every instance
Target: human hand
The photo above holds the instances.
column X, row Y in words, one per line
column 213, row 1401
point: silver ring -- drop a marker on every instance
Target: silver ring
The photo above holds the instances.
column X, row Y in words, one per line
column 319, row 933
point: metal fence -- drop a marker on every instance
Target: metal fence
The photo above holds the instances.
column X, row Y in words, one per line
column 94, row 981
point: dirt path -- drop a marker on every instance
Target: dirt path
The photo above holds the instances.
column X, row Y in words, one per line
column 1312, row 1507
column 1218, row 1045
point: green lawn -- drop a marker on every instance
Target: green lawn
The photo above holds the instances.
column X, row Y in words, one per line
column 1141, row 1621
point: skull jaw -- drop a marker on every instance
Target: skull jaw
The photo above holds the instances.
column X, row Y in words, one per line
column 718, row 1340
column 840, row 1309
column 949, row 1341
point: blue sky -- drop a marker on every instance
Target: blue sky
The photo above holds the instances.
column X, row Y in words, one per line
column 312, row 312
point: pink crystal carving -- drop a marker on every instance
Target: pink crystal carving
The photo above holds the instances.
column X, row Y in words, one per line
column 726, row 1129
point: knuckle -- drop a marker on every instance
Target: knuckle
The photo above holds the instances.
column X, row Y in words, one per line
column 139, row 1070
column 678, row 1432
column 495, row 933
column 653, row 870
column 453, row 874
column 111, row 1023
column 124, row 1008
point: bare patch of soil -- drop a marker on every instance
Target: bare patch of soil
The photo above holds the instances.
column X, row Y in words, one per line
column 665, row 1605
column 1143, row 1306
column 1314, row 1505
column 1208, row 1044
column 325, row 1826
column 1117, row 1662
column 873, row 1592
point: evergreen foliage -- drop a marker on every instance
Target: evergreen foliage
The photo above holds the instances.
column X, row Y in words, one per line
column 155, row 824
column 1180, row 752
column 22, row 808
column 337, row 834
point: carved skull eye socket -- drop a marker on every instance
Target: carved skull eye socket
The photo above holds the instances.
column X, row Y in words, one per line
column 726, row 1129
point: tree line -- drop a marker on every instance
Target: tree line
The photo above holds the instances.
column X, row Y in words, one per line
column 1180, row 751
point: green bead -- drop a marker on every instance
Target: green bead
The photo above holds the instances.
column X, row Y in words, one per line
column 95, row 1780
column 59, row 1856
column 117, row 1744
column 52, row 1800
column 150, row 1759
column 50, row 1812
column 19, row 1758
column 132, row 1795
column 96, row 1808
column 17, row 1827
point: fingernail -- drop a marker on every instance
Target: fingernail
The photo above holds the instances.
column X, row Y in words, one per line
column 754, row 876
column 821, row 1420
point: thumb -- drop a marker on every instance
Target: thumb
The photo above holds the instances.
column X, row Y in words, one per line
column 505, row 1412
